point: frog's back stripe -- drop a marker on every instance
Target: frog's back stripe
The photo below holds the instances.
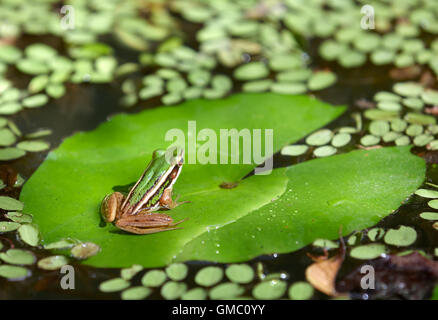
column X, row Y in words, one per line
column 165, row 181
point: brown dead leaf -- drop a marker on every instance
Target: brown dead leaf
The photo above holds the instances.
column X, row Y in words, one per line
column 364, row 104
column 322, row 274
column 427, row 79
column 430, row 157
column 8, row 175
column 405, row 73
column 433, row 110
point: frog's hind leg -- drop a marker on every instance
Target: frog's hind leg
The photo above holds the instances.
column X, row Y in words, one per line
column 138, row 230
column 149, row 230
column 147, row 223
column 110, row 207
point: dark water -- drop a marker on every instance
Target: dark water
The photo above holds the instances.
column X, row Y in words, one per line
column 86, row 106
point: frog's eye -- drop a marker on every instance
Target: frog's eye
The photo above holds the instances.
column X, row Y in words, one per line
column 158, row 153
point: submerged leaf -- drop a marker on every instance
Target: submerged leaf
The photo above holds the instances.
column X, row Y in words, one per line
column 52, row 262
column 85, row 250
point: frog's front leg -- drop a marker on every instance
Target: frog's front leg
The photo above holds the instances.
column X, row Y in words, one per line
column 110, row 208
column 146, row 223
column 167, row 202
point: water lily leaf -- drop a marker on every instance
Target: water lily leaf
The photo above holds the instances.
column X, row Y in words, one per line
column 173, row 290
column 113, row 285
column 269, row 290
column 18, row 256
column 117, row 152
column 136, row 293
column 8, row 203
column 177, row 271
column 227, row 290
column 226, row 225
column 240, row 273
column 319, row 199
column 14, row 272
column 29, row 234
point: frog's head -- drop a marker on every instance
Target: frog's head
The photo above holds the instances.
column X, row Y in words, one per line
column 174, row 155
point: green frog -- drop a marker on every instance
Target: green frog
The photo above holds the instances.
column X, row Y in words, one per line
column 134, row 212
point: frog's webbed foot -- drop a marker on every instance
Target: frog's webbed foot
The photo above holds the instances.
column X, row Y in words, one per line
column 167, row 202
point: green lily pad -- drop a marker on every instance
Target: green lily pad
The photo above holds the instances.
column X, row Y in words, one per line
column 324, row 151
column 8, row 203
column 195, row 294
column 136, row 293
column 427, row 193
column 19, row 217
column 321, row 80
column 295, row 150
column 320, row 137
column 18, row 256
column 268, row 290
column 319, row 204
column 209, row 276
column 173, row 290
column 251, row 71
column 403, row 236
column 368, row 251
column 429, row 215
column 13, row 272
column 29, row 234
column 153, row 278
column 108, row 166
column 240, row 273
column 300, row 291
column 113, row 285
column 129, row 273
column 324, row 243
column 7, row 138
column 7, row 226
column 177, row 271
column 33, row 146
column 430, row 97
column 61, row 244
column 341, row 140
column 375, row 234
column 226, row 290
column 288, row 88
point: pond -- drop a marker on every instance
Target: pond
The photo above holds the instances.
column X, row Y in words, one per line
column 70, row 69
